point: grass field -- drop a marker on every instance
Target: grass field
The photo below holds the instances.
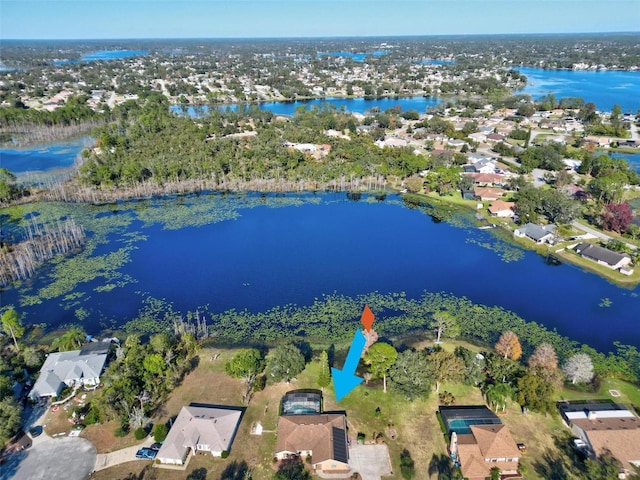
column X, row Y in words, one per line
column 403, row 424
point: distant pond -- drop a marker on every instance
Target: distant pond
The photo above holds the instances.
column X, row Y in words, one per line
column 103, row 55
column 252, row 251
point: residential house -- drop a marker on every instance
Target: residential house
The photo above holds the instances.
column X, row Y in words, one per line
column 605, row 427
column 487, row 179
column 200, row 428
column 392, row 142
column 323, row 437
column 487, row 194
column 572, row 163
column 479, row 137
column 68, row 369
column 495, row 138
column 456, row 142
column 479, row 442
column 629, row 143
column 502, row 209
column 482, row 165
column 603, row 256
column 537, row 233
column 602, row 142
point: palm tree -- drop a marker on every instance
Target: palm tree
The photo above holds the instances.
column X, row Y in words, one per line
column 72, row 339
column 497, row 395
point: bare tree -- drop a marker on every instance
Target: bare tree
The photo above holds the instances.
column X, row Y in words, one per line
column 544, row 356
column 579, row 368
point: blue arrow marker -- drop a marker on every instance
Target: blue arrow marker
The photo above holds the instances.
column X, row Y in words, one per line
column 345, row 380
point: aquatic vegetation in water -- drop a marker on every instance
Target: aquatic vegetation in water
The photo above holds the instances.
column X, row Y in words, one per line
column 506, row 252
column 605, row 302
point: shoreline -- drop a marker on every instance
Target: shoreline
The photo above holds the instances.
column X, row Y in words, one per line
column 559, row 252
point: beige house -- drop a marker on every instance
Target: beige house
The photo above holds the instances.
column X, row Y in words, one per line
column 486, row 447
column 323, row 437
column 200, row 428
column 488, row 193
column 502, row 209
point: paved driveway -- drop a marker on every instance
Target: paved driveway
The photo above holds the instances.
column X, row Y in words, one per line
column 49, row 458
column 370, row 461
column 106, row 460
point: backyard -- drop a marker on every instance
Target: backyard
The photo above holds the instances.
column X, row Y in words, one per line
column 389, row 417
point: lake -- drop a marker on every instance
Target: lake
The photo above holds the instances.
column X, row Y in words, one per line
column 43, row 157
column 633, row 159
column 353, row 105
column 604, row 88
column 355, row 56
column 259, row 251
column 103, row 55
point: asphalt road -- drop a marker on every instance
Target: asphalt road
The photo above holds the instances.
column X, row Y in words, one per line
column 52, row 458
column 598, row 234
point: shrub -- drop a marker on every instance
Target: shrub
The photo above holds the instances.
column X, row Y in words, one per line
column 139, row 433
column 407, row 465
column 443, row 428
column 92, row 416
column 120, row 432
column 259, row 383
column 160, row 432
column 446, row 398
column 224, row 454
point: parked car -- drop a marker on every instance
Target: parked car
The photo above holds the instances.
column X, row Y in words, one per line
column 156, row 446
column 35, row 431
column 146, row 453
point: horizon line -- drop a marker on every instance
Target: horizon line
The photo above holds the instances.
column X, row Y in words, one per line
column 318, row 37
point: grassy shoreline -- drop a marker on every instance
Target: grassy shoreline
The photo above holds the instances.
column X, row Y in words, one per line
column 557, row 251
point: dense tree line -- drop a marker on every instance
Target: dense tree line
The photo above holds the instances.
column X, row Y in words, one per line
column 141, row 376
column 152, row 144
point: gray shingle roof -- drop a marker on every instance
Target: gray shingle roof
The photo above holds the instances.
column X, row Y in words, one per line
column 598, row 253
column 64, row 368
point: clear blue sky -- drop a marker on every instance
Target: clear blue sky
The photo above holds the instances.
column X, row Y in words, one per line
column 85, row 19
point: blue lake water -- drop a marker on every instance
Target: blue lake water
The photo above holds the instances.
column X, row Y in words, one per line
column 353, row 105
column 104, row 55
column 273, row 256
column 632, row 159
column 604, row 88
column 430, row 61
column 43, row 157
column 355, row 56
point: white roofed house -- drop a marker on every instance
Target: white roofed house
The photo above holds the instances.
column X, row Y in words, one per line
column 68, row 369
column 200, row 428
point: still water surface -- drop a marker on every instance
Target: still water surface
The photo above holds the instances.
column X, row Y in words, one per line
column 270, row 256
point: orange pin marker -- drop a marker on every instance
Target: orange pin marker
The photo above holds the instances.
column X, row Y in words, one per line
column 367, row 318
